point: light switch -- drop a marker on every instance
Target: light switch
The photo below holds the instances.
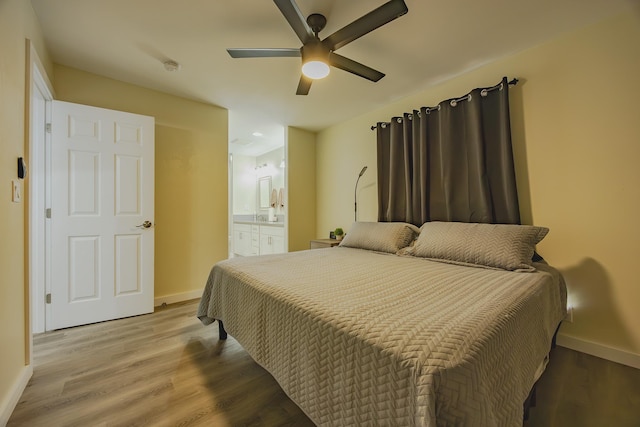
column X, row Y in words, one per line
column 16, row 193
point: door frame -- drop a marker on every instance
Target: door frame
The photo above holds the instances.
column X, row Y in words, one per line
column 37, row 195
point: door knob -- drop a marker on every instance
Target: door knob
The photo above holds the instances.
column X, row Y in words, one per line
column 145, row 224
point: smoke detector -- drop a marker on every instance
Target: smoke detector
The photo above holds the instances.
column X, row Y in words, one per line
column 171, row 66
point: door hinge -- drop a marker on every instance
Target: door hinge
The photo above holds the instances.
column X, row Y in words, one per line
column 48, row 299
column 47, row 127
column 47, row 213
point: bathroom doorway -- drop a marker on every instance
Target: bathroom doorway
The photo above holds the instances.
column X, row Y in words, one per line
column 257, row 186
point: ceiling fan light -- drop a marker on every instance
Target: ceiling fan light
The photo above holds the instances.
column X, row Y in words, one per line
column 315, row 69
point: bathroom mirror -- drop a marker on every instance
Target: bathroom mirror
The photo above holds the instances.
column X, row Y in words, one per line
column 264, row 192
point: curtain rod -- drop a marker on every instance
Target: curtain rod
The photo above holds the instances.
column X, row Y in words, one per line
column 454, row 101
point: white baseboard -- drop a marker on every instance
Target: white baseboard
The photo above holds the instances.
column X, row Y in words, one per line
column 173, row 298
column 599, row 350
column 10, row 401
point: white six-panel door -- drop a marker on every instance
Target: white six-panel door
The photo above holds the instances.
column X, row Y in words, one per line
column 102, row 192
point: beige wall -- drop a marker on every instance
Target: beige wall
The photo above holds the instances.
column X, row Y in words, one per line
column 191, row 174
column 301, row 170
column 576, row 133
column 17, row 23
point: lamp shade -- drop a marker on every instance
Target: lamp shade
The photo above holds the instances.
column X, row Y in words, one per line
column 315, row 69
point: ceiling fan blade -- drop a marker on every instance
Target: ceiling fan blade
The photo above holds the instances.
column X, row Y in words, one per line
column 294, row 17
column 304, row 85
column 367, row 23
column 264, row 53
column 354, row 67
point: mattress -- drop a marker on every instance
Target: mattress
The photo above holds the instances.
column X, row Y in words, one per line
column 356, row 337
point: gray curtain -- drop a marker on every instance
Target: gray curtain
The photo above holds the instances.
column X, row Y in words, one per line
column 453, row 162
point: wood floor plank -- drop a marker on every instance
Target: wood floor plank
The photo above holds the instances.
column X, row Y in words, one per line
column 167, row 369
column 585, row 391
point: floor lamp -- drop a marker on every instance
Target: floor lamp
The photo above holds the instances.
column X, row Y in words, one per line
column 355, row 197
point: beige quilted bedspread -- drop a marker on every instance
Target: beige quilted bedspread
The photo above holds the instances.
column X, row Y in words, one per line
column 360, row 338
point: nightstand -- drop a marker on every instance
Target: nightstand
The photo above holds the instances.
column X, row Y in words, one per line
column 323, row 243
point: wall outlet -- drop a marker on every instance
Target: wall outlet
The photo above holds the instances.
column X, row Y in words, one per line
column 16, row 192
column 569, row 316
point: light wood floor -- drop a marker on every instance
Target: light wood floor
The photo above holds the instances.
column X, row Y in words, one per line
column 166, row 369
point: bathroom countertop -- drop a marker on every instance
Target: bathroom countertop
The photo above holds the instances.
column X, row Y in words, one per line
column 275, row 224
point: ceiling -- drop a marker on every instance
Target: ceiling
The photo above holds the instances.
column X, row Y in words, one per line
column 129, row 40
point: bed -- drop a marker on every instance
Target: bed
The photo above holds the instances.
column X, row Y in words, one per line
column 446, row 325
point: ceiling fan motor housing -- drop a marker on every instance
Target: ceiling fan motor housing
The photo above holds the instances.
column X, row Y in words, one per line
column 314, row 50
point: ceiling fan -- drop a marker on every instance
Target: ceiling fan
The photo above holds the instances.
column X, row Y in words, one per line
column 318, row 54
